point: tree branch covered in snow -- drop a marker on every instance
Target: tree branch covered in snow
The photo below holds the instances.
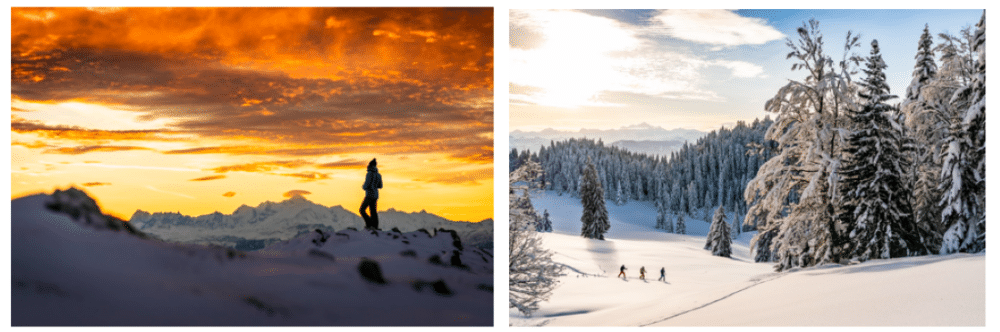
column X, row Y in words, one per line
column 532, row 272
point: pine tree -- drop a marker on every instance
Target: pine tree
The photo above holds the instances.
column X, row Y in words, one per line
column 662, row 221
column 877, row 210
column 736, row 227
column 963, row 174
column 681, row 228
column 544, row 225
column 924, row 124
column 595, row 214
column 924, row 70
column 718, row 239
column 532, row 272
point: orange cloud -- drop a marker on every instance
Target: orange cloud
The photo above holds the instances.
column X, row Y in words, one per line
column 293, row 193
column 261, row 166
column 94, row 148
column 92, row 184
column 465, row 177
column 309, row 176
column 229, row 194
column 344, row 164
column 280, row 81
column 77, row 133
column 209, row 178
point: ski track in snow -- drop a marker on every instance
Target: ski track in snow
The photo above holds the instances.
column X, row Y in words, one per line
column 704, row 290
column 759, row 281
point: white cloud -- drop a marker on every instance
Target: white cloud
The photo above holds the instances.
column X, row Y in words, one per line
column 582, row 56
column 574, row 58
column 741, row 69
column 715, row 27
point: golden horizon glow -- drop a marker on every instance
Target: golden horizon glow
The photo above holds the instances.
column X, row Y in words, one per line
column 198, row 110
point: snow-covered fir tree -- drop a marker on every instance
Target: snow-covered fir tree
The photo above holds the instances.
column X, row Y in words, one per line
column 923, row 71
column 619, row 197
column 533, row 275
column 963, row 176
column 544, row 224
column 794, row 195
column 736, row 229
column 876, row 208
column 595, row 213
column 718, row 239
column 926, row 122
column 662, row 221
column 681, row 228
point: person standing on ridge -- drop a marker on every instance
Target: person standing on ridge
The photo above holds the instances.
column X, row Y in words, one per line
column 622, row 273
column 642, row 273
column 373, row 182
column 663, row 274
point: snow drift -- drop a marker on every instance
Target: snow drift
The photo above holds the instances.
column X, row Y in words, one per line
column 72, row 265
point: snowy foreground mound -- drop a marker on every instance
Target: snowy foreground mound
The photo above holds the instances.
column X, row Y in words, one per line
column 252, row 228
column 72, row 265
column 705, row 290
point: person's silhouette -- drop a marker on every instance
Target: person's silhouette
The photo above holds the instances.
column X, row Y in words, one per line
column 373, row 182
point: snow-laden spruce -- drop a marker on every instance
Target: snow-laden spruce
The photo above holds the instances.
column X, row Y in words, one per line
column 544, row 223
column 681, row 227
column 794, row 195
column 595, row 213
column 876, row 197
column 532, row 273
column 662, row 221
column 718, row 239
column 963, row 175
column 926, row 126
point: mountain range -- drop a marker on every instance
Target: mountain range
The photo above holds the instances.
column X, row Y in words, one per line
column 250, row 228
column 643, row 138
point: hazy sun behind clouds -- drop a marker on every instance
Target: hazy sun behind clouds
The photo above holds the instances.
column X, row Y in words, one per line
column 179, row 109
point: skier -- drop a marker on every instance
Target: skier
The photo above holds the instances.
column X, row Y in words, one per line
column 663, row 274
column 373, row 182
column 622, row 273
column 642, row 273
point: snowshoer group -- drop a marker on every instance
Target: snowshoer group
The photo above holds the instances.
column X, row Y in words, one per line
column 373, row 182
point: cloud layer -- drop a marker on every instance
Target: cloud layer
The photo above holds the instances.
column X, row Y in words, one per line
column 293, row 81
column 715, row 27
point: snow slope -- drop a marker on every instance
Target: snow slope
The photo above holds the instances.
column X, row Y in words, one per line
column 73, row 270
column 253, row 227
column 704, row 290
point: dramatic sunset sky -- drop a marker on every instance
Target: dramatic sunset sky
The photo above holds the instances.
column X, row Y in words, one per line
column 679, row 68
column 199, row 110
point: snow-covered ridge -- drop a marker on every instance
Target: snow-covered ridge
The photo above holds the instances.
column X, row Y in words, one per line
column 70, row 268
column 249, row 228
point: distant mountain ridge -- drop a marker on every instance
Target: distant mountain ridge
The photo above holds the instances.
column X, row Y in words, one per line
column 249, row 228
column 642, row 138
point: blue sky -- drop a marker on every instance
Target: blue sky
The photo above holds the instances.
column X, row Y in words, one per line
column 684, row 68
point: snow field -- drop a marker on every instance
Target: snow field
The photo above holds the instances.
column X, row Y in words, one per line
column 704, row 290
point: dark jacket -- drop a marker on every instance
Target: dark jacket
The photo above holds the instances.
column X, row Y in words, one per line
column 373, row 182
